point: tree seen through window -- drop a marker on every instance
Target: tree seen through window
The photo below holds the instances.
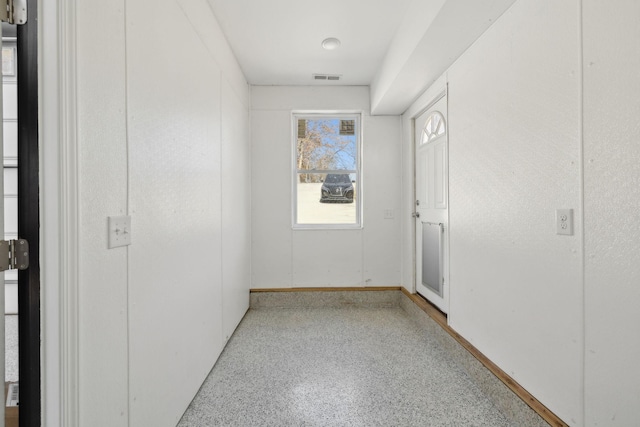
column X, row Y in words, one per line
column 322, row 147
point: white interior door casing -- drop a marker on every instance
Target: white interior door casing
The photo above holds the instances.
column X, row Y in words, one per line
column 10, row 163
column 2, row 349
column 432, row 204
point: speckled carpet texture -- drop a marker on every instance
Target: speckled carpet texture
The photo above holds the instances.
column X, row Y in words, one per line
column 337, row 367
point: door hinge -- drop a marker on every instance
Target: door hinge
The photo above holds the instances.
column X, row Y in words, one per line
column 13, row 11
column 14, row 254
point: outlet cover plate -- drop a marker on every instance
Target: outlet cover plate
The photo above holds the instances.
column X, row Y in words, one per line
column 564, row 222
column 119, row 231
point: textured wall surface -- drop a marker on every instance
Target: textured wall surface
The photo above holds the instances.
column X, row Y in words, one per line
column 102, row 159
column 283, row 257
column 236, row 207
column 612, row 212
column 163, row 122
column 175, row 295
column 514, row 158
column 514, row 120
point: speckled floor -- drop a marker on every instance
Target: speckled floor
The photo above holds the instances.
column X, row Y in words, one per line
column 337, row 367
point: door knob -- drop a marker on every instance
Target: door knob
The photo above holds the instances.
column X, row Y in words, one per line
column 416, row 214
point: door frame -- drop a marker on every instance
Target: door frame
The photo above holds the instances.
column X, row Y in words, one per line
column 29, row 336
column 442, row 93
column 59, row 200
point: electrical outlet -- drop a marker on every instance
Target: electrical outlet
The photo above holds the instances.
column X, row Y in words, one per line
column 388, row 214
column 119, row 231
column 564, row 221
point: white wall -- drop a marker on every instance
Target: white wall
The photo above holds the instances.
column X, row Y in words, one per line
column 514, row 158
column 163, row 136
column 529, row 134
column 612, row 212
column 283, row 257
column 102, row 159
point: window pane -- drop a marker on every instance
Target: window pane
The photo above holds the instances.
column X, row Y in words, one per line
column 347, row 127
column 326, row 198
column 322, row 146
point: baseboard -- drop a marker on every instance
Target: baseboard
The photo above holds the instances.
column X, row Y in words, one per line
column 325, row 297
column 523, row 395
column 329, row 289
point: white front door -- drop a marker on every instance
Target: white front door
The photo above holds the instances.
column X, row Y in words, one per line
column 432, row 205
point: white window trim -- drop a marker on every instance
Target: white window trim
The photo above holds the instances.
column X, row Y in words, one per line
column 340, row 114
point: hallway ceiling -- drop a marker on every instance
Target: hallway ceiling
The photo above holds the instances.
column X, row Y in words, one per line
column 278, row 42
column 397, row 47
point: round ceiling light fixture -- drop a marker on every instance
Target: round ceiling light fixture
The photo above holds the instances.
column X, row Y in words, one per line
column 331, row 43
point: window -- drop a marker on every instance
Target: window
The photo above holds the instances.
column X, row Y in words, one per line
column 434, row 127
column 326, row 179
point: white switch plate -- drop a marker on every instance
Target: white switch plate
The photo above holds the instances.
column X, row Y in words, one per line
column 119, row 231
column 564, row 221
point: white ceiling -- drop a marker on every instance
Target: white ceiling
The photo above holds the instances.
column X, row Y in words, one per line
column 277, row 42
column 397, row 47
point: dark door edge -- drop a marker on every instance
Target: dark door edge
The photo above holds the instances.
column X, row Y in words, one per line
column 29, row 220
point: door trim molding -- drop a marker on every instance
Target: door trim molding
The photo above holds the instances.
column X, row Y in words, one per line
column 68, row 220
column 431, row 103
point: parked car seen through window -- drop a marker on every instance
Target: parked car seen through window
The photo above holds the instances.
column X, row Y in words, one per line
column 337, row 188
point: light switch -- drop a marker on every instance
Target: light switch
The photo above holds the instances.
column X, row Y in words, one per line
column 119, row 231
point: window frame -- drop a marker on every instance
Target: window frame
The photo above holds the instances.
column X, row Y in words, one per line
column 340, row 115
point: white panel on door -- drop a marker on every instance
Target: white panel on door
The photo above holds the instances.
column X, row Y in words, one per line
column 10, row 181
column 10, row 138
column 11, row 215
column 440, row 174
column 10, row 101
column 422, row 191
column 10, row 296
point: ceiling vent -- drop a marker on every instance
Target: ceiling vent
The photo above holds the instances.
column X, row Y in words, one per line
column 332, row 77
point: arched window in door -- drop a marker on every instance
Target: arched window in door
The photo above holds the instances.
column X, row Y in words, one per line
column 434, row 127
